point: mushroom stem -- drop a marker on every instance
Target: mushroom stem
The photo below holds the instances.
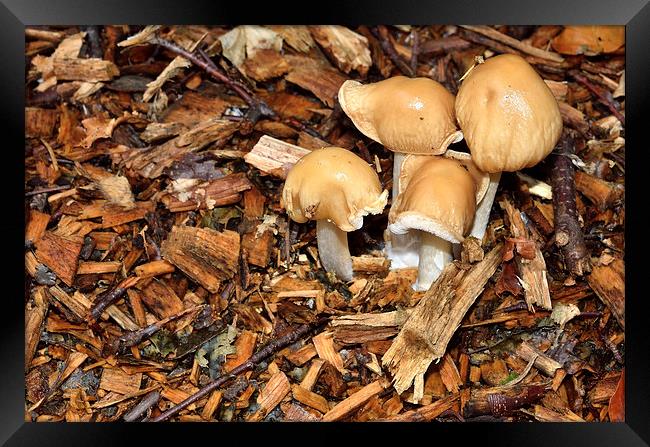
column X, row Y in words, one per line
column 435, row 254
column 333, row 249
column 482, row 215
column 402, row 250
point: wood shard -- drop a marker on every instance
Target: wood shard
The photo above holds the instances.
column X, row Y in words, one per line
column 150, row 163
column 207, row 195
column 347, row 406
column 60, row 254
column 274, row 157
column 425, row 335
column 348, row 49
column 313, row 400
column 274, row 391
column 115, row 379
column 205, row 255
column 318, row 77
column 324, row 344
column 36, row 225
column 542, row 361
column 245, row 345
column 532, row 272
column 602, row 193
column 89, row 70
column 161, row 299
column 608, row 281
column 40, row 123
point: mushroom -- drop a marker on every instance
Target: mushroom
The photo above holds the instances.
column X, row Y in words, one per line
column 510, row 120
column 437, row 199
column 407, row 116
column 335, row 188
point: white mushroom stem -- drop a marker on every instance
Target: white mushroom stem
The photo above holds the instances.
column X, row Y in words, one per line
column 482, row 216
column 435, row 254
column 333, row 249
column 402, row 248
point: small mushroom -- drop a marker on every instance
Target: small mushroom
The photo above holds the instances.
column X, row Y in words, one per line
column 407, row 116
column 510, row 120
column 437, row 199
column 335, row 188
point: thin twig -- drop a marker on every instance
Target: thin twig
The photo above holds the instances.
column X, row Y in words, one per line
column 212, row 70
column 148, row 401
column 107, row 298
column 603, row 96
column 381, row 32
column 415, row 49
column 568, row 234
column 271, row 348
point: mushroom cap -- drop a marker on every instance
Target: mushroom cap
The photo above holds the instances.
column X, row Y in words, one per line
column 481, row 179
column 508, row 115
column 408, row 115
column 333, row 183
column 437, row 195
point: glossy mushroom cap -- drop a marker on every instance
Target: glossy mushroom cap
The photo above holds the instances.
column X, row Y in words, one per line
column 437, row 195
column 408, row 115
column 508, row 115
column 333, row 184
column 481, row 179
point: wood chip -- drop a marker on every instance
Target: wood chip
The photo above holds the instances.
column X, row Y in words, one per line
column 347, row 406
column 348, row 49
column 60, row 254
column 114, row 379
column 425, row 335
column 274, row 391
column 324, row 344
column 608, row 281
column 274, row 157
column 205, row 255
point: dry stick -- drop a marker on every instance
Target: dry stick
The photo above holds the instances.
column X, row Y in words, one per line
column 415, row 49
column 568, row 234
column 107, row 298
column 133, row 338
column 148, row 401
column 381, row 32
column 212, row 70
column 604, row 97
column 94, row 41
column 43, row 190
column 271, row 348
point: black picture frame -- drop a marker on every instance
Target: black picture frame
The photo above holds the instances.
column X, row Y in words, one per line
column 16, row 14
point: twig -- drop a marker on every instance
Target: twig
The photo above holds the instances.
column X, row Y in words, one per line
column 46, row 190
column 514, row 43
column 603, row 96
column 107, row 298
column 148, row 401
column 94, row 41
column 415, row 49
column 212, row 70
column 568, row 234
column 133, row 338
column 381, row 32
column 271, row 348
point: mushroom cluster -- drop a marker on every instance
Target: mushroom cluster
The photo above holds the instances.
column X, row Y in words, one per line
column 509, row 119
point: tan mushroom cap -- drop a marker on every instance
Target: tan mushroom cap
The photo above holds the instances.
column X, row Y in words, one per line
column 508, row 115
column 408, row 115
column 481, row 179
column 333, row 184
column 437, row 195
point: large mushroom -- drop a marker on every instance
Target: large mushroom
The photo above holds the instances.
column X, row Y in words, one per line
column 510, row 120
column 335, row 188
column 437, row 201
column 407, row 116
